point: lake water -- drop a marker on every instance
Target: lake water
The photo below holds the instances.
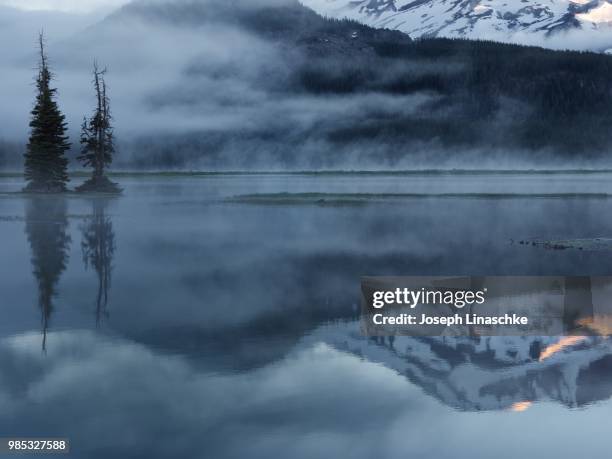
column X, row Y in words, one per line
column 216, row 317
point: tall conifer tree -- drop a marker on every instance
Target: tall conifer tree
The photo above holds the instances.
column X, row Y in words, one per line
column 45, row 161
column 97, row 139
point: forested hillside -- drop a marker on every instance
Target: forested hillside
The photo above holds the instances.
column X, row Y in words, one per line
column 277, row 85
column 452, row 96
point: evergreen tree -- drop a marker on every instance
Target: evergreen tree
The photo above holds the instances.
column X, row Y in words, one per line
column 45, row 161
column 97, row 139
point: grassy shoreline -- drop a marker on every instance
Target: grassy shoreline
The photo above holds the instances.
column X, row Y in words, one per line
column 366, row 198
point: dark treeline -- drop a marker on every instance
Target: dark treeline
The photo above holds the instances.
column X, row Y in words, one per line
column 11, row 155
column 480, row 95
column 524, row 97
column 489, row 93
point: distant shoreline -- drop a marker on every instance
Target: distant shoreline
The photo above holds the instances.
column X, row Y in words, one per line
column 405, row 172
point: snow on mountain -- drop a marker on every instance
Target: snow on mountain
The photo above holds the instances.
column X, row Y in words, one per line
column 575, row 24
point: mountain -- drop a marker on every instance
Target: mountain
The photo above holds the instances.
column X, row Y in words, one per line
column 579, row 24
column 237, row 84
column 305, row 91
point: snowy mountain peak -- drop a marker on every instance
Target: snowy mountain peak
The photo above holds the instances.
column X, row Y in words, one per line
column 587, row 24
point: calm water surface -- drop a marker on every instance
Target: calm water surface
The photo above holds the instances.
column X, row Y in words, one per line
column 174, row 322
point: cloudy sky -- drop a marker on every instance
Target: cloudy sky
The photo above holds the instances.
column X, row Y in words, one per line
column 68, row 6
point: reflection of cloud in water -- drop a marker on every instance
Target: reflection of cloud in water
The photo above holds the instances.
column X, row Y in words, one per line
column 113, row 397
column 131, row 395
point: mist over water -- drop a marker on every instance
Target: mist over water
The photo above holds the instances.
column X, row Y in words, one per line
column 173, row 311
column 216, row 315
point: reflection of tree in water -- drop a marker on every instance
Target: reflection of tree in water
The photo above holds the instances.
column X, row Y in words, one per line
column 98, row 246
column 47, row 231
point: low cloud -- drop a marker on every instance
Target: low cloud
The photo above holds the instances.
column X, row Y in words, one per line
column 67, row 6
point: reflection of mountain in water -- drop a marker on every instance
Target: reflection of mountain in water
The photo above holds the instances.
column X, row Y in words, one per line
column 46, row 228
column 488, row 373
column 98, row 245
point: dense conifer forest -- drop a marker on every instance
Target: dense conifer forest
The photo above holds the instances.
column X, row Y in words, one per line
column 479, row 94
